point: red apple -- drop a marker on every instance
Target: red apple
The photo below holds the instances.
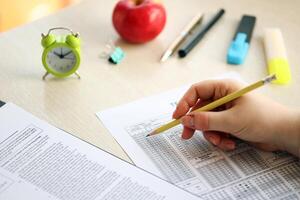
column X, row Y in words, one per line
column 139, row 21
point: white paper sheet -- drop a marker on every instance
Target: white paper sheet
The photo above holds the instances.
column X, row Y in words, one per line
column 196, row 165
column 39, row 161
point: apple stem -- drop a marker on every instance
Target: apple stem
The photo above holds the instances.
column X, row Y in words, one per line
column 137, row 2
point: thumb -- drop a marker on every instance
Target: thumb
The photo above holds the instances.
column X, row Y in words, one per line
column 217, row 121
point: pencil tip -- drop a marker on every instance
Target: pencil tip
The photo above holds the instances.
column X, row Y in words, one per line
column 152, row 133
column 165, row 56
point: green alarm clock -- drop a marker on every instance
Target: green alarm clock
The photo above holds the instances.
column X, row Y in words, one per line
column 61, row 55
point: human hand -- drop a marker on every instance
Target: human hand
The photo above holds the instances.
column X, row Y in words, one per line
column 252, row 118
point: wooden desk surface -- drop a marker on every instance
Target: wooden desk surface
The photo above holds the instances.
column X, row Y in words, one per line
column 71, row 103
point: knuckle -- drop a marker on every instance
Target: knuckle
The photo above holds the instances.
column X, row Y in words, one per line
column 233, row 84
column 193, row 86
column 231, row 118
column 202, row 121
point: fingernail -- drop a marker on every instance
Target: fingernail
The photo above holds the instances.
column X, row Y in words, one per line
column 230, row 144
column 188, row 121
column 184, row 137
column 213, row 140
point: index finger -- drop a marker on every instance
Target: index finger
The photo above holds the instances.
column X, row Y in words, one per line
column 200, row 91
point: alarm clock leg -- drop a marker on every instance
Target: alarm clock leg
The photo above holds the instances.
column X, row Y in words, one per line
column 78, row 76
column 46, row 74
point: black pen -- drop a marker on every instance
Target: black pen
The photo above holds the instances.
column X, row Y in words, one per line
column 189, row 44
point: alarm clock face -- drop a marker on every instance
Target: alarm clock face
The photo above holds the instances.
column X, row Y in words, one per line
column 61, row 59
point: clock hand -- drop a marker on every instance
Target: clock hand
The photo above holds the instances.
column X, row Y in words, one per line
column 67, row 53
column 57, row 54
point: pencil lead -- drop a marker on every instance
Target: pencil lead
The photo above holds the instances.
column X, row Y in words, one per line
column 152, row 133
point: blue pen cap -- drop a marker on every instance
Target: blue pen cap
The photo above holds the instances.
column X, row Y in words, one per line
column 238, row 49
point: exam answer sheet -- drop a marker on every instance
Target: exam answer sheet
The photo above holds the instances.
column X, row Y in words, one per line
column 39, row 161
column 195, row 164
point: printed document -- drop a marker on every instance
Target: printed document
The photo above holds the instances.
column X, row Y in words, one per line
column 39, row 161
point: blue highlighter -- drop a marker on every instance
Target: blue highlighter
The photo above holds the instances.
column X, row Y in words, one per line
column 239, row 46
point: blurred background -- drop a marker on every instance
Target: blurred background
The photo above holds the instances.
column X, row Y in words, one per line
column 14, row 13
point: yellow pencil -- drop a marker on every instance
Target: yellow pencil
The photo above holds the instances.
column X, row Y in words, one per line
column 218, row 102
